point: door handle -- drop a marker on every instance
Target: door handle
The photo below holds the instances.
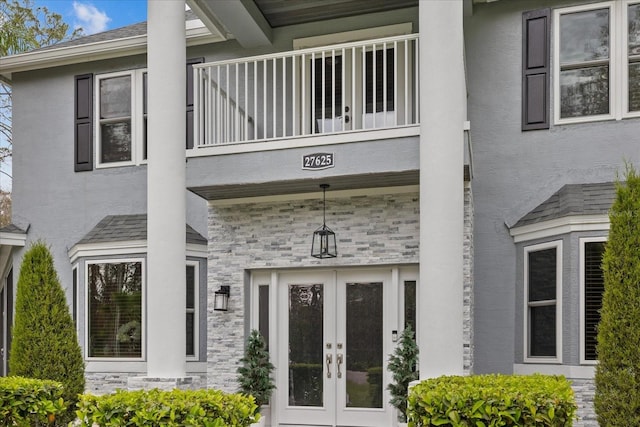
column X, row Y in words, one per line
column 339, row 362
column 328, row 360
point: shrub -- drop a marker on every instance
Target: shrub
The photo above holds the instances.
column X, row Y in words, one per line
column 45, row 344
column 207, row 408
column 492, row 400
column 255, row 372
column 617, row 396
column 402, row 365
column 26, row 402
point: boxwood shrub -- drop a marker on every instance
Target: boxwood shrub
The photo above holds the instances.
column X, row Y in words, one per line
column 492, row 400
column 26, row 402
column 206, row 408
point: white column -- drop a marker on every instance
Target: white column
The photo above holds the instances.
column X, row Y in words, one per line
column 166, row 198
column 442, row 113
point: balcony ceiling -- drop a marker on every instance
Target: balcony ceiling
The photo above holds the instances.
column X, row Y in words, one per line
column 280, row 13
column 251, row 22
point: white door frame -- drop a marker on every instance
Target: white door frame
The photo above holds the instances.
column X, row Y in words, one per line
column 393, row 321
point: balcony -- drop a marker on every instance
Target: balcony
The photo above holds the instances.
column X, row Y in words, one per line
column 331, row 94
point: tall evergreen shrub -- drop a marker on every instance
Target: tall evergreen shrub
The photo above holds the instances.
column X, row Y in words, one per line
column 45, row 344
column 256, row 369
column 402, row 365
column 617, row 397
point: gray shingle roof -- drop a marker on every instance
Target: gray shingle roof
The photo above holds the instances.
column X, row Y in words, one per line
column 573, row 199
column 133, row 30
column 122, row 228
column 13, row 229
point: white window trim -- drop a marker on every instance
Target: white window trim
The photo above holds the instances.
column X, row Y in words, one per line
column 75, row 275
column 143, row 332
column 618, row 62
column 196, row 311
column 583, row 241
column 137, row 121
column 557, row 245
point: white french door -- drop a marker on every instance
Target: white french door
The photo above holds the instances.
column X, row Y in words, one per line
column 334, row 339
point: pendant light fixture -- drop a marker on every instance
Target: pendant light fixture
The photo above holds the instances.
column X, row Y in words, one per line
column 324, row 239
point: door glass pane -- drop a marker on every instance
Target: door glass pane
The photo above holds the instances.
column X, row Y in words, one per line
column 410, row 304
column 306, row 304
column 328, row 88
column 263, row 312
column 364, row 345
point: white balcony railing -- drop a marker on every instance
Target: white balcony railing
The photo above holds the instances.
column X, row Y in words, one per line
column 333, row 89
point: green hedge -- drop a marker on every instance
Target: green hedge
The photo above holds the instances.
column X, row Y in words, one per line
column 206, row 408
column 492, row 400
column 26, row 402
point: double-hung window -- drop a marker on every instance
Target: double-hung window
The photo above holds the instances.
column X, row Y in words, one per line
column 121, row 125
column 192, row 310
column 543, row 284
column 592, row 288
column 597, row 61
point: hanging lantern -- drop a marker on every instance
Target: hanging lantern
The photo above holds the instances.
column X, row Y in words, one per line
column 324, row 239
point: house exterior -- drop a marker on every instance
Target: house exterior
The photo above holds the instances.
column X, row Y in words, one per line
column 470, row 148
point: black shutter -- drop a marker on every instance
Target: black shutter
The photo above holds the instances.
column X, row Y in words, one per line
column 190, row 63
column 535, row 69
column 83, row 123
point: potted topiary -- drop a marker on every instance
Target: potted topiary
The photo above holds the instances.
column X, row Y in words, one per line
column 255, row 372
column 402, row 365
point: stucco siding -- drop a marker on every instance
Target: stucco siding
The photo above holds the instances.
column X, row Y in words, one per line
column 514, row 171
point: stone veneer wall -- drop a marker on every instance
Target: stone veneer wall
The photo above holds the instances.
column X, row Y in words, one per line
column 468, row 279
column 584, row 391
column 108, row 382
column 371, row 230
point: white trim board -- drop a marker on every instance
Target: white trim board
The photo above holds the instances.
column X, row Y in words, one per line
column 556, row 227
column 86, row 250
column 128, row 46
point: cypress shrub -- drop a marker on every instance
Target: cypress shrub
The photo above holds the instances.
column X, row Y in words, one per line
column 255, row 372
column 45, row 344
column 402, row 365
column 617, row 397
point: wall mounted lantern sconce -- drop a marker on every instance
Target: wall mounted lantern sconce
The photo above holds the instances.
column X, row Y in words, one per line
column 221, row 299
column 324, row 240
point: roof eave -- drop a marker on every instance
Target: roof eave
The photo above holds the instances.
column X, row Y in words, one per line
column 108, row 49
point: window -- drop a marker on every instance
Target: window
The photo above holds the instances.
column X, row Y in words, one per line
column 192, row 310
column 115, row 310
column 122, row 119
column 592, row 287
column 597, row 46
column 543, row 267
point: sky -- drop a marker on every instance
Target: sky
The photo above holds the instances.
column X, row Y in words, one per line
column 95, row 16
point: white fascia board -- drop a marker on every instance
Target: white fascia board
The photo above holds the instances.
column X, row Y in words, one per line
column 85, row 250
column 128, row 46
column 559, row 226
column 13, row 239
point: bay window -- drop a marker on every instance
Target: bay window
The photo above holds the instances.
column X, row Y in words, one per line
column 115, row 310
column 543, row 267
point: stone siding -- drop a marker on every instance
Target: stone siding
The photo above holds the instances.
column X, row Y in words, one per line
column 584, row 391
column 468, row 279
column 107, row 382
column 371, row 230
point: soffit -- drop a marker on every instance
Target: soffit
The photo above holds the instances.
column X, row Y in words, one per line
column 337, row 183
column 280, row 13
